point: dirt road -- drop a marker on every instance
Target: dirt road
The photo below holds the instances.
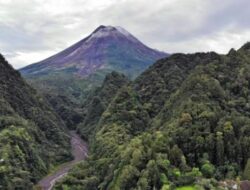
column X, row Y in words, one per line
column 79, row 151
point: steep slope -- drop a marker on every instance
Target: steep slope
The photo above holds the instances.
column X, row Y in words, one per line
column 83, row 66
column 184, row 121
column 70, row 111
column 32, row 137
column 98, row 101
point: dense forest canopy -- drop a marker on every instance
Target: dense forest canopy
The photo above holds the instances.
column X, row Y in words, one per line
column 32, row 136
column 184, row 121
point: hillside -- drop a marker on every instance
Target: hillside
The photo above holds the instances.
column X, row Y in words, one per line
column 32, row 136
column 183, row 122
column 98, row 101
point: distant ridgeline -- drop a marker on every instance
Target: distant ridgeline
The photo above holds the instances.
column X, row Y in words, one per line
column 185, row 121
column 32, row 136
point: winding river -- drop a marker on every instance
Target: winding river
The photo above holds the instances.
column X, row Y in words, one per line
column 79, row 151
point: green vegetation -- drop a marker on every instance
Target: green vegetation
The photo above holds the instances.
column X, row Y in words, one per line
column 98, row 101
column 68, row 85
column 186, row 188
column 32, row 136
column 71, row 112
column 70, row 95
column 66, row 94
column 183, row 123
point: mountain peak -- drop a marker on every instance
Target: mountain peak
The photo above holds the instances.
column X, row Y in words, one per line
column 104, row 31
column 111, row 28
column 104, row 28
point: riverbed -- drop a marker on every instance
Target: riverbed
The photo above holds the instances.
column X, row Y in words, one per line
column 79, row 151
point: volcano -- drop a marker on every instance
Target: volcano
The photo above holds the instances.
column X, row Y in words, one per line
column 107, row 49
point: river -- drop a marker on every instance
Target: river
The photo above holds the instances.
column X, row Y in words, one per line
column 79, row 151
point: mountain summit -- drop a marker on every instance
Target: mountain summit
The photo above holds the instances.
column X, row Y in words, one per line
column 108, row 48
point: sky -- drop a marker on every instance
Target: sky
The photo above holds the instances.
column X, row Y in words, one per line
column 32, row 30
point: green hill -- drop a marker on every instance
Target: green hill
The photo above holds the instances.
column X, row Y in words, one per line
column 183, row 122
column 98, row 101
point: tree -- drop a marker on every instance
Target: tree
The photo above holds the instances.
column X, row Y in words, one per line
column 219, row 148
column 208, row 170
column 176, row 155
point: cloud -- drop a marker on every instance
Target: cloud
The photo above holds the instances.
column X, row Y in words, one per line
column 20, row 58
column 33, row 30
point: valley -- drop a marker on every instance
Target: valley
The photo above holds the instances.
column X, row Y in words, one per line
column 151, row 120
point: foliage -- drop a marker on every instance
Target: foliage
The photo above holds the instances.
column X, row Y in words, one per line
column 98, row 101
column 32, row 136
column 69, row 111
column 184, row 121
column 186, row 188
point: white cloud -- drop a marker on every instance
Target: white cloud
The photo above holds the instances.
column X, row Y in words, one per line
column 32, row 29
column 19, row 59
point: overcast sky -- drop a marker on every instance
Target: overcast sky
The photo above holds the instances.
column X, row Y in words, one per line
column 32, row 30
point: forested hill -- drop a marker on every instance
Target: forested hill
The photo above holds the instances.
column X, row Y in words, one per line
column 32, row 136
column 183, row 122
column 98, row 101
